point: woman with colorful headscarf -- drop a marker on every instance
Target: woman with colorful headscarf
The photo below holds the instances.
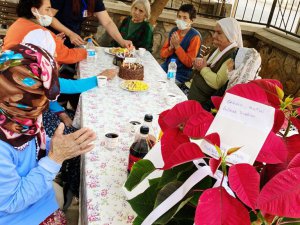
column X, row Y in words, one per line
column 29, row 160
column 212, row 72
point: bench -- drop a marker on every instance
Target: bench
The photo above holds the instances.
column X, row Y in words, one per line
column 7, row 13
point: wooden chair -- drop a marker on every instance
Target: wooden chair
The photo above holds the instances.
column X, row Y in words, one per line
column 89, row 28
column 8, row 13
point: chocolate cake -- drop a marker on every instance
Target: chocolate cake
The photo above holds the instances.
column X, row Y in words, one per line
column 131, row 71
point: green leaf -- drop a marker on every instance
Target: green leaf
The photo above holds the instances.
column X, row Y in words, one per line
column 204, row 184
column 143, row 204
column 173, row 173
column 218, row 150
column 187, row 212
column 233, row 150
column 139, row 171
column 280, row 92
column 138, row 221
column 291, row 221
column 163, row 194
column 154, row 181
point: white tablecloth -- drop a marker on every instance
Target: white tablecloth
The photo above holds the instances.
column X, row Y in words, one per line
column 109, row 109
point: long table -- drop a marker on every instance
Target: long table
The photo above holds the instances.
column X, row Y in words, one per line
column 110, row 109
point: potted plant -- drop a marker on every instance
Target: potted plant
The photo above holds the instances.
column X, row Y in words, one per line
column 267, row 192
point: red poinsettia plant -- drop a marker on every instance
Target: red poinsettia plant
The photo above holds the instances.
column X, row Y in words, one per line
column 267, row 192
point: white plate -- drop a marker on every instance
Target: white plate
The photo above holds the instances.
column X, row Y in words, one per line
column 106, row 50
column 124, row 86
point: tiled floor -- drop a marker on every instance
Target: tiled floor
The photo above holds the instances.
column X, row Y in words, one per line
column 72, row 213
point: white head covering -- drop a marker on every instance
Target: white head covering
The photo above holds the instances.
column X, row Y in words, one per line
column 146, row 5
column 41, row 38
column 232, row 30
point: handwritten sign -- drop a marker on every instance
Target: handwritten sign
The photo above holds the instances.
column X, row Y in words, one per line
column 130, row 60
column 240, row 122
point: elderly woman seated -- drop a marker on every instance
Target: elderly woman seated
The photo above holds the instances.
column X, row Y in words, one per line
column 211, row 73
column 29, row 160
column 136, row 26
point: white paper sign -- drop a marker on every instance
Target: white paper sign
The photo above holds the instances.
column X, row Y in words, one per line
column 240, row 122
column 130, row 60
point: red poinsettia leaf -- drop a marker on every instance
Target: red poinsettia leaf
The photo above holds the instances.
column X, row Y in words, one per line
column 269, row 86
column 293, row 146
column 298, row 111
column 181, row 112
column 250, row 91
column 184, row 153
column 281, row 195
column 198, row 124
column 244, row 180
column 296, row 122
column 217, row 100
column 296, row 101
column 273, row 151
column 213, row 138
column 217, row 207
column 278, row 121
column 214, row 164
column 171, row 140
column 269, row 171
column 295, row 162
column 161, row 120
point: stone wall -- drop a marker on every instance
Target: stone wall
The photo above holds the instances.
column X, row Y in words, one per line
column 280, row 65
column 276, row 63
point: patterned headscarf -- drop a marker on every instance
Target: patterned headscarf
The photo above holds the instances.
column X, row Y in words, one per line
column 28, row 80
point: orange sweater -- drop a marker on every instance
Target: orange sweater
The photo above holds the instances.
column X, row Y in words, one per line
column 185, row 57
column 24, row 29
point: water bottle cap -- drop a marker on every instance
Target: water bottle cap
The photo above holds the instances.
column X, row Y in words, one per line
column 148, row 118
column 173, row 60
column 89, row 40
column 144, row 130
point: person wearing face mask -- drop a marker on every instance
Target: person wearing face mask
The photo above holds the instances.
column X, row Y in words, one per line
column 211, row 73
column 183, row 44
column 34, row 16
column 136, row 27
column 29, row 28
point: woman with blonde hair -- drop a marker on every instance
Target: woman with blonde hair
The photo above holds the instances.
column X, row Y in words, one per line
column 136, row 26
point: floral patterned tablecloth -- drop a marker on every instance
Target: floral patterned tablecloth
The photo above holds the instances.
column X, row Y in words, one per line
column 110, row 109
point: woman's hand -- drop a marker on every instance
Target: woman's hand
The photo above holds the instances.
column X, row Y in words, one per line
column 175, row 40
column 65, row 119
column 127, row 44
column 200, row 63
column 76, row 39
column 109, row 73
column 71, row 145
column 61, row 36
column 230, row 65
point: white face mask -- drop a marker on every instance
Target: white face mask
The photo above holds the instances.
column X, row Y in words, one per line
column 182, row 25
column 44, row 20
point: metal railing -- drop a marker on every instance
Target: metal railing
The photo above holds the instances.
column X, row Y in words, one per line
column 283, row 15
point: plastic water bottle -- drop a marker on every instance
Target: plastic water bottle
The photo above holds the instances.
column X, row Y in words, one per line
column 91, row 50
column 172, row 68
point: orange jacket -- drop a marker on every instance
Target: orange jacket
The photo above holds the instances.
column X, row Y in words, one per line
column 26, row 30
column 185, row 57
